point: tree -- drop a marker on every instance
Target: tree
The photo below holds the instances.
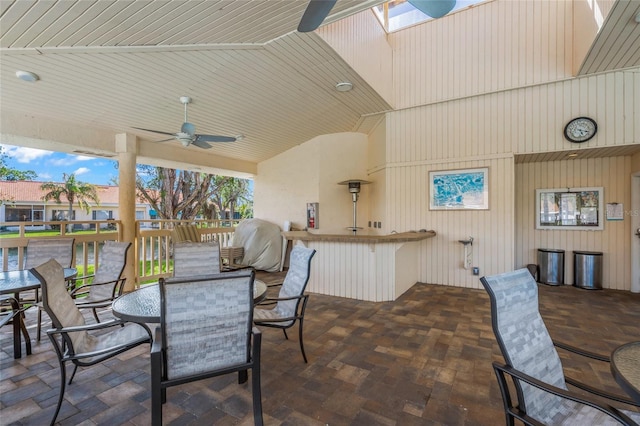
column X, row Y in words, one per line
column 174, row 194
column 181, row 194
column 74, row 191
column 233, row 193
column 10, row 174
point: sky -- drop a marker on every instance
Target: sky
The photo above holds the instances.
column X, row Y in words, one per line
column 51, row 165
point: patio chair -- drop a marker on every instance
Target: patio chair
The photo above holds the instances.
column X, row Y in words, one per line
column 205, row 331
column 39, row 251
column 291, row 302
column 532, row 362
column 189, row 232
column 70, row 336
column 107, row 282
column 202, row 258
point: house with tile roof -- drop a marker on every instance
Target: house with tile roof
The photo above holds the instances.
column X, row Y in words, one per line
column 23, row 201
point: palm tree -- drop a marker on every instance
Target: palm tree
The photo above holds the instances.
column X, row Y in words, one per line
column 74, row 191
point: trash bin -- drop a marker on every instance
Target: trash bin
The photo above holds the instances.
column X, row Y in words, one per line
column 551, row 266
column 587, row 269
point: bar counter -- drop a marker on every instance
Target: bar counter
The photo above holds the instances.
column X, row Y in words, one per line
column 375, row 268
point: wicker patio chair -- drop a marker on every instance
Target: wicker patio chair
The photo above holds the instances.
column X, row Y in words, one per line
column 202, row 258
column 70, row 335
column 533, row 364
column 291, row 302
column 205, row 331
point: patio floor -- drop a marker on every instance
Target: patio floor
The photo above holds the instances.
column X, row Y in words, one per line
column 424, row 359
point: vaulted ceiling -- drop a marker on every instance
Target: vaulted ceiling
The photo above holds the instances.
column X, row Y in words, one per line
column 115, row 65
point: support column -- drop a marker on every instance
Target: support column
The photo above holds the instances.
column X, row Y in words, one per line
column 127, row 149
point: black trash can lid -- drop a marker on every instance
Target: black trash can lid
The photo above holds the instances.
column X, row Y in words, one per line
column 551, row 250
column 590, row 253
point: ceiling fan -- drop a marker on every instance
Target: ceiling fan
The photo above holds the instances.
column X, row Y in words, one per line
column 187, row 134
column 318, row 10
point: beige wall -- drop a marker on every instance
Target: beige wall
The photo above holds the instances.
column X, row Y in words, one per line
column 611, row 173
column 310, row 173
column 468, row 98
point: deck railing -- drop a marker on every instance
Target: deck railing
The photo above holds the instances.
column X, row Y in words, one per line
column 154, row 241
column 152, row 246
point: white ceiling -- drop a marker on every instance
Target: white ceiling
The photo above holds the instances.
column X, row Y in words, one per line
column 114, row 65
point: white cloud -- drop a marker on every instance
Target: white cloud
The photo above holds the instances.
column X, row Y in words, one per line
column 25, row 155
column 44, row 176
column 83, row 158
column 81, row 171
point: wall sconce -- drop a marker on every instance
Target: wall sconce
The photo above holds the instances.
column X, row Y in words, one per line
column 354, row 190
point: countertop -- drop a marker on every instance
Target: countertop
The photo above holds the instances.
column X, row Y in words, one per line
column 402, row 237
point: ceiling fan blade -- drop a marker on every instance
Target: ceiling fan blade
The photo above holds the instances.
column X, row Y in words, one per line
column 316, row 12
column 188, row 128
column 201, row 144
column 165, row 140
column 155, row 131
column 214, row 138
column 434, row 8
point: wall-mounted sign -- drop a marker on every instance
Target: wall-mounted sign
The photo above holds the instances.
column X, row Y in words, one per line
column 569, row 209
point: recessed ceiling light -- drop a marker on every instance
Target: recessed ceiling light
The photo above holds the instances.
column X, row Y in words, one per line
column 344, row 86
column 572, row 155
column 27, row 76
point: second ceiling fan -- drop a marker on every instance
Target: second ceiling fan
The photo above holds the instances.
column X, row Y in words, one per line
column 318, row 10
column 187, row 134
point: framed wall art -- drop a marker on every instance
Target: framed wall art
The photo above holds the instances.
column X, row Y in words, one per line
column 570, row 208
column 464, row 189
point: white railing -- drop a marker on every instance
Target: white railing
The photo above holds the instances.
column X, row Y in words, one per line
column 88, row 235
column 152, row 246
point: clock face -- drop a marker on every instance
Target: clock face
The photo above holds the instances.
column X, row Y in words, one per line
column 580, row 129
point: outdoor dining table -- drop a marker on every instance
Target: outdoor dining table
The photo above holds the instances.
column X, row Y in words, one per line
column 14, row 282
column 143, row 305
column 625, row 367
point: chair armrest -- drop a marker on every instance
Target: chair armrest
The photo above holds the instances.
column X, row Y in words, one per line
column 582, row 352
column 502, row 369
column 75, row 291
column 586, row 387
column 156, row 346
column 86, row 327
column 277, row 299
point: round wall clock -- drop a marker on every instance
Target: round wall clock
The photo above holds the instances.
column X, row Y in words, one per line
column 580, row 129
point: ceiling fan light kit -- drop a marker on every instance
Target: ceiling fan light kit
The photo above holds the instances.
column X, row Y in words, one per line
column 27, row 76
column 187, row 134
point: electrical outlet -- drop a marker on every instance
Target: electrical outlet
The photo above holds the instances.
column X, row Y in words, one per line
column 476, row 270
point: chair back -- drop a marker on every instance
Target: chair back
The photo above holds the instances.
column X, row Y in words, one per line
column 40, row 250
column 188, row 232
column 524, row 340
column 58, row 304
column 206, row 322
column 295, row 282
column 190, row 259
column 113, row 258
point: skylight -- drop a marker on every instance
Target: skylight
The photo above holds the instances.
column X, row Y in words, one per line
column 398, row 14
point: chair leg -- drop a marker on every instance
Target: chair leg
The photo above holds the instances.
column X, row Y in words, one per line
column 75, row 368
column 285, row 334
column 95, row 314
column 25, row 333
column 301, row 342
column 255, row 381
column 63, row 380
column 39, row 326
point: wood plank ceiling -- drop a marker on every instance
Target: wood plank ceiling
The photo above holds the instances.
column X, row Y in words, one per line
column 115, row 65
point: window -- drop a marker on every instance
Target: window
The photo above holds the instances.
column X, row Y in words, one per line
column 62, row 215
column 102, row 214
column 398, row 14
column 26, row 213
